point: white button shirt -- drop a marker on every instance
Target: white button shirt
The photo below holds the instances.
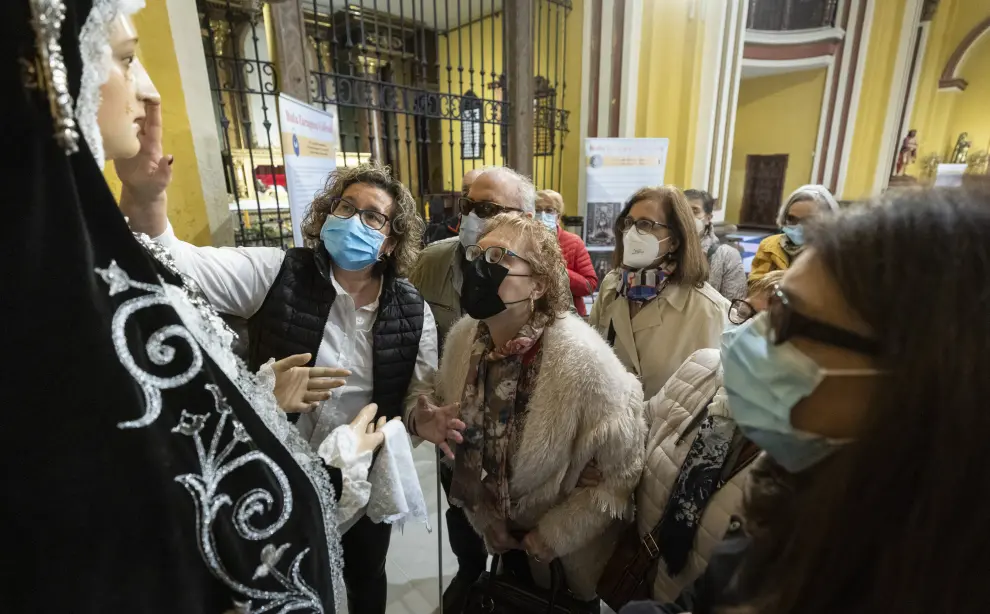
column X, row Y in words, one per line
column 236, row 280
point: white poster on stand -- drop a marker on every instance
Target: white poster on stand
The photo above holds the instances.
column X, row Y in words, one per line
column 616, row 169
column 309, row 149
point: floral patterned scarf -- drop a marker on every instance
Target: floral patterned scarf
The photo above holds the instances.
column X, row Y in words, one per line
column 496, row 392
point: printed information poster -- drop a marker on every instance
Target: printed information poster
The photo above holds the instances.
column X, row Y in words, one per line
column 616, row 169
column 309, row 149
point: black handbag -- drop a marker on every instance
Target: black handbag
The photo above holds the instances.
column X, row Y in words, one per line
column 508, row 594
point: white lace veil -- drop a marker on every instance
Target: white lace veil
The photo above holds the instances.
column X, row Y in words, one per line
column 94, row 47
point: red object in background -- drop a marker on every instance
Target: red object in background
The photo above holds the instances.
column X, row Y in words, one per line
column 268, row 176
column 580, row 271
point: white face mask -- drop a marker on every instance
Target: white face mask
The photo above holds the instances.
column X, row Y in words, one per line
column 700, row 226
column 549, row 219
column 471, row 227
column 638, row 250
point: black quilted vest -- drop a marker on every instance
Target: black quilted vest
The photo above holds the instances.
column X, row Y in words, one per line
column 294, row 315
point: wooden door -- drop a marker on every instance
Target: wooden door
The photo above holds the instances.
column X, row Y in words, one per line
column 763, row 190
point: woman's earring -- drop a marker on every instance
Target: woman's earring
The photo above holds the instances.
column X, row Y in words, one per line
column 532, row 304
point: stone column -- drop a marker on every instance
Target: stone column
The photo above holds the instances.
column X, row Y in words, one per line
column 519, row 78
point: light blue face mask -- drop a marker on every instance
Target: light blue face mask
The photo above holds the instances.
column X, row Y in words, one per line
column 470, row 230
column 764, row 382
column 549, row 219
column 352, row 245
column 795, row 233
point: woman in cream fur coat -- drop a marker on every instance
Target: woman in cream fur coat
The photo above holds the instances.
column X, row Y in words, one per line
column 574, row 403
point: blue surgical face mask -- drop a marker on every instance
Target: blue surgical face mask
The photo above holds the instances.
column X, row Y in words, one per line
column 470, row 231
column 795, row 233
column 352, row 245
column 549, row 219
column 764, row 382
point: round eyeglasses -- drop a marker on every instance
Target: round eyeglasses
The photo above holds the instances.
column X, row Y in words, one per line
column 345, row 209
column 643, row 227
column 493, row 254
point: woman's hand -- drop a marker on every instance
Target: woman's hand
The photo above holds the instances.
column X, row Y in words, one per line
column 536, row 547
column 499, row 540
column 369, row 434
column 147, row 174
column 145, row 177
column 299, row 388
column 437, row 424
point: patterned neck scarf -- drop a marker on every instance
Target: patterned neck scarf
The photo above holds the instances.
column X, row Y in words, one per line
column 644, row 286
column 496, row 392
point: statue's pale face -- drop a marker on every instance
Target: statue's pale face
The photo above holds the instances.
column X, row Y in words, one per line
column 123, row 96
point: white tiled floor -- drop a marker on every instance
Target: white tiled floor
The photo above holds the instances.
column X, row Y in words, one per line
column 413, row 560
column 413, row 564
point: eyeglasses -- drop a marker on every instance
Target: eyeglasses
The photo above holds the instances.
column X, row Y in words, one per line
column 740, row 311
column 493, row 255
column 345, row 209
column 786, row 322
column 483, row 208
column 643, row 227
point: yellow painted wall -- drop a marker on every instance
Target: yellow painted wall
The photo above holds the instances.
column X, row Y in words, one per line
column 466, row 45
column 972, row 106
column 670, row 82
column 881, row 57
column 480, row 42
column 938, row 116
column 187, row 208
column 777, row 114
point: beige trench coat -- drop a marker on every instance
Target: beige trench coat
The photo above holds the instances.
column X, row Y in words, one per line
column 664, row 333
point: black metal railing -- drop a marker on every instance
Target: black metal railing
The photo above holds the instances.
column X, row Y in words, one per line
column 244, row 84
column 785, row 15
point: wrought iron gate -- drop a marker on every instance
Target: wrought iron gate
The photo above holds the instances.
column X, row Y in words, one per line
column 417, row 84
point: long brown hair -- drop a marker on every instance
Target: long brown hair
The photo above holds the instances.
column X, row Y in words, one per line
column 405, row 227
column 897, row 521
column 692, row 266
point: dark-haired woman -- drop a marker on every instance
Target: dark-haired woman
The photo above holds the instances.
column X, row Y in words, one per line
column 344, row 300
column 655, row 308
column 870, row 498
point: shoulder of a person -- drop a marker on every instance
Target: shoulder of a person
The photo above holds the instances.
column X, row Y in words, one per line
column 690, row 385
column 439, row 250
column 464, row 327
column 581, row 359
column 404, row 285
column 569, row 237
column 771, row 242
column 728, row 252
column 710, row 298
column 610, row 283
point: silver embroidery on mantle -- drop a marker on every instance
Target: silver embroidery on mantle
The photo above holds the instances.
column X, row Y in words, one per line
column 50, row 73
column 192, row 290
column 212, row 334
column 216, row 464
column 158, row 352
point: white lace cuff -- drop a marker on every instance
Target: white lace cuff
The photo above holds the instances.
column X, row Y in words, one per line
column 340, row 450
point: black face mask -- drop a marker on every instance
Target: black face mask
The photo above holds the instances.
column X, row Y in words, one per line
column 479, row 296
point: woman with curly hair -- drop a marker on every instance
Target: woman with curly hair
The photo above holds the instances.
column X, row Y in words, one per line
column 343, row 303
column 541, row 395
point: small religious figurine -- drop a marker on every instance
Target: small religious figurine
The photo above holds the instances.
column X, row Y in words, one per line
column 908, row 153
column 961, row 152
